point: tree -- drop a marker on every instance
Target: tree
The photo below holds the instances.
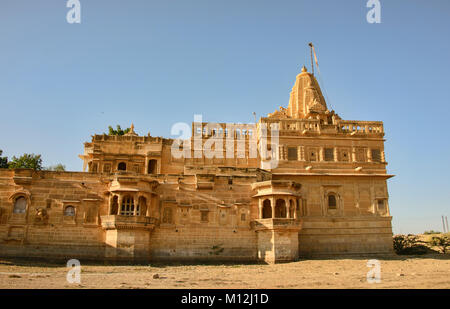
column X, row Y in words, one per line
column 57, row 168
column 118, row 130
column 3, row 160
column 443, row 242
column 26, row 161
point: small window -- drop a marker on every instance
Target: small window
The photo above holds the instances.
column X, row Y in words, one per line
column 292, row 153
column 313, row 156
column 106, row 168
column 331, row 201
column 167, row 215
column 152, row 166
column 122, row 166
column 230, row 181
column 69, row 211
column 381, row 205
column 329, row 154
column 242, row 217
column 376, row 155
column 204, row 216
column 20, row 205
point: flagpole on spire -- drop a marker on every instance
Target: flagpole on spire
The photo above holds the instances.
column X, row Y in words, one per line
column 312, row 63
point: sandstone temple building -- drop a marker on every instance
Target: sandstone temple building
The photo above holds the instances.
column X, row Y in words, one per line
column 326, row 195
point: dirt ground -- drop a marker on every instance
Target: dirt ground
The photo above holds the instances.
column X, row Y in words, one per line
column 429, row 271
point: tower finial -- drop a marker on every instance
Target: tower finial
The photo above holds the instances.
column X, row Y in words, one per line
column 304, row 69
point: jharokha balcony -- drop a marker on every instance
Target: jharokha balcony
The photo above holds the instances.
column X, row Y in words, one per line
column 117, row 222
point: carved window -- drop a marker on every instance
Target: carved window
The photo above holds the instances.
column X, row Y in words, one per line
column 267, row 209
column 167, row 215
column 204, row 216
column 280, row 209
column 106, row 168
column 381, row 205
column 329, row 154
column 69, row 211
column 20, row 205
column 332, row 204
column 127, row 208
column 313, row 156
column 122, row 166
column 292, row 153
column 242, row 216
column 376, row 155
column 152, row 166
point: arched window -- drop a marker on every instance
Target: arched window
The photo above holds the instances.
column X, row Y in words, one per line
column 152, row 167
column 127, row 208
column 69, row 211
column 267, row 209
column 332, row 201
column 20, row 205
column 122, row 166
column 280, row 209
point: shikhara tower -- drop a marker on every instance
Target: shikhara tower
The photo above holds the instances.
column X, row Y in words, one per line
column 327, row 194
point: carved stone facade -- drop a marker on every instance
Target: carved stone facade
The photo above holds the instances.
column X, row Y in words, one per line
column 327, row 194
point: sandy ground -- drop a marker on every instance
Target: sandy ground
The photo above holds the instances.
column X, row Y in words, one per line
column 429, row 272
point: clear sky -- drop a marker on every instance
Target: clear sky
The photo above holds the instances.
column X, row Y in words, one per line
column 155, row 63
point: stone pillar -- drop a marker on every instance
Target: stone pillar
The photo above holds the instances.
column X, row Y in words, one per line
column 353, row 154
column 383, row 158
column 335, row 153
column 321, row 154
column 272, row 200
column 295, row 208
column 260, row 209
column 135, row 202
column 119, row 200
column 287, row 204
column 369, row 155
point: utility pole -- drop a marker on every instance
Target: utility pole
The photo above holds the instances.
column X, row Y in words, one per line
column 443, row 224
column 446, row 221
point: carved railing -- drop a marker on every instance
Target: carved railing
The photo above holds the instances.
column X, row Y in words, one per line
column 112, row 222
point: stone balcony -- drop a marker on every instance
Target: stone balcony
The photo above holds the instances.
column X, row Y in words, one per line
column 117, row 222
column 277, row 224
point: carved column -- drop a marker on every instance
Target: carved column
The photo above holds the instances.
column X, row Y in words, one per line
column 260, row 208
column 286, row 201
column 272, row 200
column 369, row 155
column 119, row 200
column 321, row 154
column 135, row 202
column 335, row 153
column 353, row 154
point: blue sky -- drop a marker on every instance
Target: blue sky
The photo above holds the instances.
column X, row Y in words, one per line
column 155, row 63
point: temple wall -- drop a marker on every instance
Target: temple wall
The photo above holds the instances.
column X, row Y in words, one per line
column 331, row 236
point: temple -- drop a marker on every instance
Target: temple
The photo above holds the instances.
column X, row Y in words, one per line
column 301, row 182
